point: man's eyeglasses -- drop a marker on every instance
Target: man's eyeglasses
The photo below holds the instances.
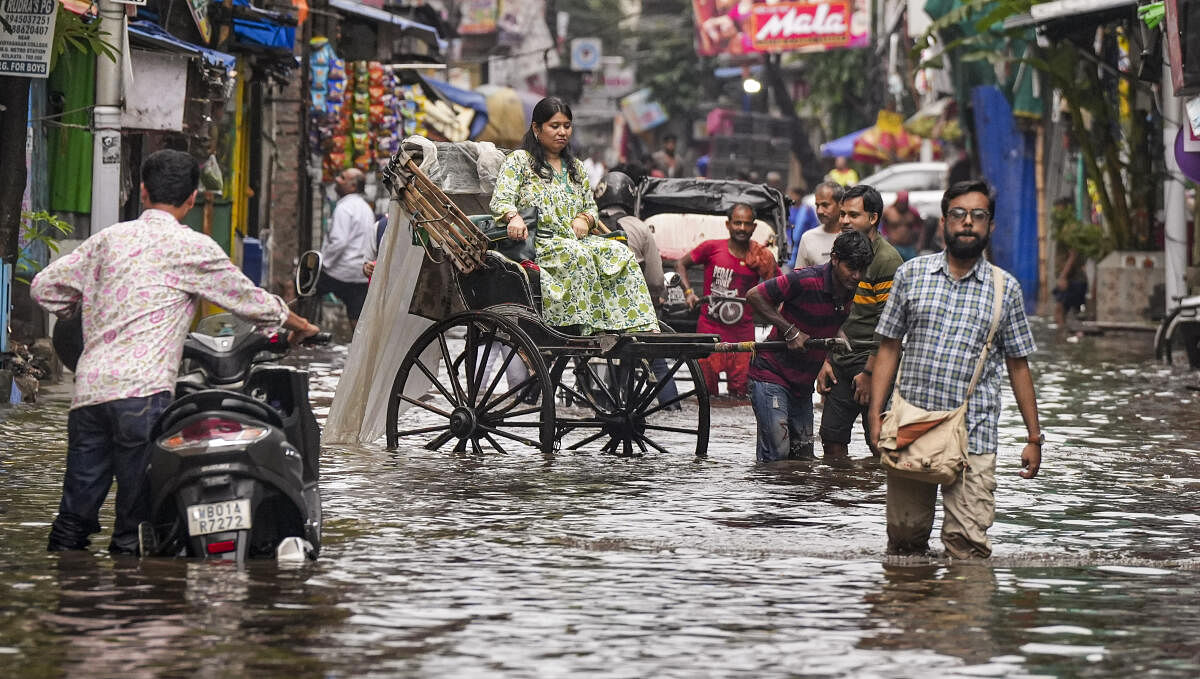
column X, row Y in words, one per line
column 958, row 214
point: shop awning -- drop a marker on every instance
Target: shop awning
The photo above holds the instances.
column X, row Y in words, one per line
column 152, row 34
column 1071, row 12
column 421, row 31
column 467, row 98
column 256, row 27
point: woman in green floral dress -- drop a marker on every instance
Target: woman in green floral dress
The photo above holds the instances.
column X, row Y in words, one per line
column 587, row 281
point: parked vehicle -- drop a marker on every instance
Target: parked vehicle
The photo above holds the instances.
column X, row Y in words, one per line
column 685, row 212
column 1181, row 327
column 925, row 183
column 234, row 459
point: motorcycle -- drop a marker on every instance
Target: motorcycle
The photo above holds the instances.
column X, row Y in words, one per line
column 234, row 458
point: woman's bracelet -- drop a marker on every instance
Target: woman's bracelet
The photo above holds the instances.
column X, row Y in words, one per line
column 791, row 328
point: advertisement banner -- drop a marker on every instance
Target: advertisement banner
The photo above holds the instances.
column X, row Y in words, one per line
column 26, row 35
column 755, row 26
column 641, row 112
column 478, row 17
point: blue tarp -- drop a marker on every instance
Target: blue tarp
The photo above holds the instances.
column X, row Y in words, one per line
column 842, row 146
column 262, row 32
column 156, row 34
column 472, row 100
column 1006, row 156
column 422, row 31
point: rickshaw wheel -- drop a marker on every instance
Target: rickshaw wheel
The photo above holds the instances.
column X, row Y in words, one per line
column 633, row 408
column 475, row 379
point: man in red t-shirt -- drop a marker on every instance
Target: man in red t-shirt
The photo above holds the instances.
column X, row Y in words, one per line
column 731, row 268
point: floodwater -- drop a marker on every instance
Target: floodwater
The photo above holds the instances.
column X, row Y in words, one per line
column 444, row 564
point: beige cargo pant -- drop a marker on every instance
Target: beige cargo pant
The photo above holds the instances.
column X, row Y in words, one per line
column 968, row 508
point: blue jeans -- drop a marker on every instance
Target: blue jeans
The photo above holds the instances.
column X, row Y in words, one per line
column 785, row 422
column 104, row 441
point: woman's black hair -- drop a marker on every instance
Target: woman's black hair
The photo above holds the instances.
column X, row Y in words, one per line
column 544, row 111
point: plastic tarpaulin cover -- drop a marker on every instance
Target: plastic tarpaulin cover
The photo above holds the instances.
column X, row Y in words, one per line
column 467, row 98
column 387, row 327
column 710, row 196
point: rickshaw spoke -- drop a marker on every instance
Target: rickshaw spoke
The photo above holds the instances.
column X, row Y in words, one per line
column 487, row 407
column 647, row 439
column 603, row 386
column 451, row 373
column 471, row 343
column 587, row 440
column 494, row 443
column 583, row 397
column 461, row 446
column 423, row 430
column 437, row 383
column 475, row 447
column 440, row 441
column 631, row 374
column 499, row 373
column 677, row 430
column 527, row 411
column 476, row 380
column 627, row 447
column 519, row 439
column 662, row 382
column 682, row 397
column 421, row 404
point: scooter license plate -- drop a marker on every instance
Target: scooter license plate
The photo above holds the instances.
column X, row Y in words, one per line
column 216, row 517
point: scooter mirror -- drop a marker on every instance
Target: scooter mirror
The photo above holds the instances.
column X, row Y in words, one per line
column 307, row 273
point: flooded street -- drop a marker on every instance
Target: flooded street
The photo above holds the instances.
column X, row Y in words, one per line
column 443, row 564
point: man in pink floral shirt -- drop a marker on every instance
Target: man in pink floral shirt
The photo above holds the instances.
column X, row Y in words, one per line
column 137, row 285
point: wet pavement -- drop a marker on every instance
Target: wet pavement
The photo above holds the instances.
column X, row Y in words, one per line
column 442, row 564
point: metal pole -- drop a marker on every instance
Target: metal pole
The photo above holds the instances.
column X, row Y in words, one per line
column 1174, row 200
column 106, row 122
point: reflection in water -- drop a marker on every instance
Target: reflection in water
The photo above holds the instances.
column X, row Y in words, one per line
column 441, row 564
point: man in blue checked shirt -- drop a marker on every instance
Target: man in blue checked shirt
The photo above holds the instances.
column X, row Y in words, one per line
column 941, row 306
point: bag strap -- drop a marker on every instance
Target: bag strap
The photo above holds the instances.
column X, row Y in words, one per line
column 997, row 310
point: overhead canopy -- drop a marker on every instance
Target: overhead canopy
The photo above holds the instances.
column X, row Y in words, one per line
column 709, row 196
column 152, row 34
column 842, row 146
column 424, row 32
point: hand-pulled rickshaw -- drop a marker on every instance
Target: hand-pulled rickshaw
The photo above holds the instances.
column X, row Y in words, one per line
column 486, row 373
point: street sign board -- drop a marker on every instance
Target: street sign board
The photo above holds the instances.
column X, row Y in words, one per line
column 586, row 54
column 26, row 35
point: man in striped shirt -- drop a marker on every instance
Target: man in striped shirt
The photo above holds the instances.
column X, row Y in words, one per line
column 809, row 302
column 845, row 379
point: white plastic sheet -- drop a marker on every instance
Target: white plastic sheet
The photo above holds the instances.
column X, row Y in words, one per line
column 386, row 330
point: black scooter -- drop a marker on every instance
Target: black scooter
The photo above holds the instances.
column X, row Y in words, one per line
column 234, row 458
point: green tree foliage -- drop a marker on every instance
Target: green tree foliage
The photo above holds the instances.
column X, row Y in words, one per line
column 1112, row 146
column 841, row 88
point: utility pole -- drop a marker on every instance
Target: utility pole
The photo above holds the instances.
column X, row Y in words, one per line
column 1174, row 203
column 106, row 122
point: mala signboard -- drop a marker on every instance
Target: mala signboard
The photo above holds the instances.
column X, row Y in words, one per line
column 756, row 26
column 26, row 36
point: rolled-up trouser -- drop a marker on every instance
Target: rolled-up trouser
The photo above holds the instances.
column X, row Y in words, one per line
column 785, row 422
column 968, row 508
column 104, row 441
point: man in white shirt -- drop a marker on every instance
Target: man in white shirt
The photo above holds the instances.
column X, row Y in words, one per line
column 816, row 244
column 349, row 245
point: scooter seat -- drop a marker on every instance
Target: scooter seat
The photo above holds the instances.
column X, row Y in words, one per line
column 215, row 400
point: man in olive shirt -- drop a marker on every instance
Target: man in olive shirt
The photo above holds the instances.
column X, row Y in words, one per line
column 845, row 380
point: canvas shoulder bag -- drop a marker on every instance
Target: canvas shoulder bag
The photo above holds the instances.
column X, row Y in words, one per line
column 927, row 445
